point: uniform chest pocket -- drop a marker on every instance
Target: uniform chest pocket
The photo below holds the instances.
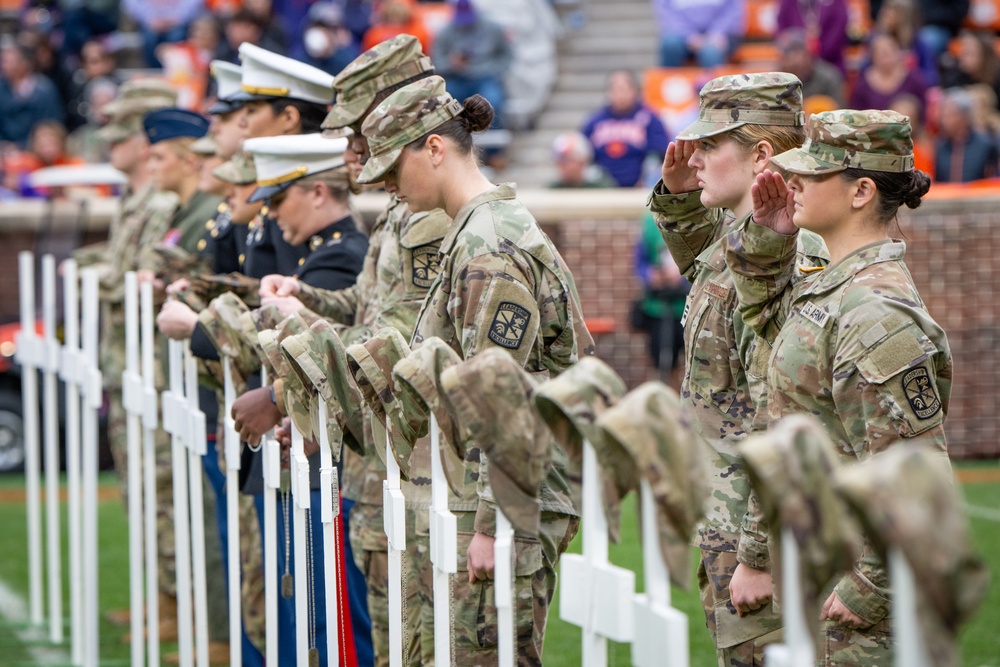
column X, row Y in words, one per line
column 711, row 352
column 901, row 373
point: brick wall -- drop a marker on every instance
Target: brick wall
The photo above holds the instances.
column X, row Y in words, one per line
column 952, row 252
column 953, row 247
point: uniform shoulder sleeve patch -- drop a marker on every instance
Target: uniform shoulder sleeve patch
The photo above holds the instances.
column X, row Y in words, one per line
column 426, row 264
column 509, row 325
column 920, row 393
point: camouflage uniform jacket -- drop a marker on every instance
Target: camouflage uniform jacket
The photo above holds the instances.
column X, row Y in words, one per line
column 502, row 283
column 725, row 364
column 401, row 264
column 854, row 345
column 143, row 220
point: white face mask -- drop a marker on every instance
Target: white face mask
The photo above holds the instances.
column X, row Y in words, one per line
column 317, row 42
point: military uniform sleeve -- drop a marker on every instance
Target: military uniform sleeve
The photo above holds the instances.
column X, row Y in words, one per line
column 762, row 263
column 337, row 305
column 92, row 254
column 752, row 549
column 336, row 267
column 493, row 305
column 891, row 384
column 686, row 225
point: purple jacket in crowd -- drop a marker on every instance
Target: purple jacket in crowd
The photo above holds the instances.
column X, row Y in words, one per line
column 698, row 17
column 622, row 141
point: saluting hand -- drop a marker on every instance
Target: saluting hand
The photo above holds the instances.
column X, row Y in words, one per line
column 773, row 203
column 677, row 175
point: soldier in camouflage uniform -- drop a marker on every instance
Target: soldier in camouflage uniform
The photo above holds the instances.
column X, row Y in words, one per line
column 852, row 344
column 401, row 264
column 142, row 222
column 502, row 284
column 704, row 194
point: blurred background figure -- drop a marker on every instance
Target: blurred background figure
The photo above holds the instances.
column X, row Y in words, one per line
column 923, row 142
column 886, row 77
column 472, row 53
column 96, row 62
column 574, row 161
column 26, row 96
column 161, row 21
column 818, row 77
column 825, row 24
column 985, row 117
column 46, row 148
column 82, row 21
column 962, row 153
column 899, row 19
column 975, row 62
column 706, row 31
column 84, row 142
column 942, row 19
column 396, row 17
column 625, row 132
column 326, row 43
column 660, row 309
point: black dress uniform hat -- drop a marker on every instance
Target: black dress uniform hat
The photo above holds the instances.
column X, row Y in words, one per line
column 228, row 78
column 173, row 123
column 280, row 161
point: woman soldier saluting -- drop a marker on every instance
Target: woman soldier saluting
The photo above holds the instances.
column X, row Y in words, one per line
column 853, row 344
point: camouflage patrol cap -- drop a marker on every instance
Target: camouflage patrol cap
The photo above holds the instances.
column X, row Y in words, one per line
column 371, row 364
column 379, row 68
column 729, row 102
column 221, row 323
column 140, row 96
column 204, row 146
column 239, row 169
column 791, row 468
column 121, row 128
column 402, row 118
column 906, row 498
column 318, row 356
column 490, row 395
column 418, row 382
column 842, row 139
column 646, row 434
column 570, row 404
column 255, row 321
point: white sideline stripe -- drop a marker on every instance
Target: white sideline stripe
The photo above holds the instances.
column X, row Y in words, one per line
column 14, row 609
column 988, row 513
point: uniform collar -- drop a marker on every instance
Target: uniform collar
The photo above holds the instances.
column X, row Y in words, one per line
column 886, row 250
column 500, row 192
column 331, row 232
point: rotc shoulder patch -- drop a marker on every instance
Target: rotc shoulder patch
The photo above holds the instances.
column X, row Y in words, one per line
column 920, row 393
column 509, row 324
column 426, row 265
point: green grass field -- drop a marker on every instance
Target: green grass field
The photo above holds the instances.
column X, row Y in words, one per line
column 980, row 638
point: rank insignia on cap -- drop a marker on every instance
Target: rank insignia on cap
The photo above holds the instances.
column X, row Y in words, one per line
column 920, row 393
column 509, row 325
column 426, row 265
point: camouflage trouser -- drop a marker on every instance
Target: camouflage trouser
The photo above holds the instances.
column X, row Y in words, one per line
column 739, row 641
column 369, row 546
column 252, row 566
column 118, row 436
column 474, row 613
column 843, row 647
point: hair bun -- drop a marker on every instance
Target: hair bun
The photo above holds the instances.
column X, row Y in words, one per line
column 477, row 113
column 920, row 184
